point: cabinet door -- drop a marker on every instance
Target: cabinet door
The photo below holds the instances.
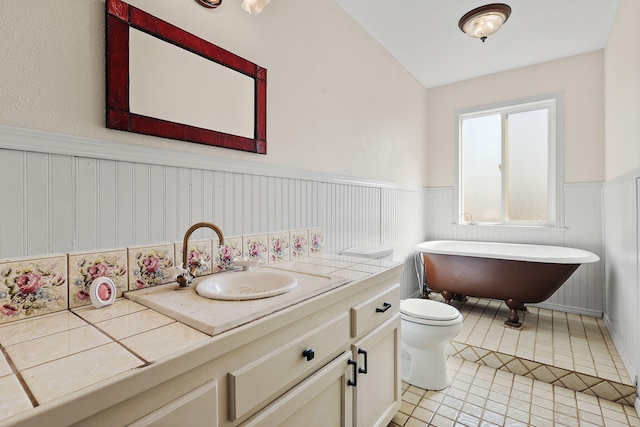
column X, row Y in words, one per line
column 196, row 408
column 321, row 400
column 377, row 390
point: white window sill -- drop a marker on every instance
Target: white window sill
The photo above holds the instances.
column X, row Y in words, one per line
column 514, row 226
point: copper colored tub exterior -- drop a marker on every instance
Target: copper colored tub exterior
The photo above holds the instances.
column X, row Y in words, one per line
column 515, row 282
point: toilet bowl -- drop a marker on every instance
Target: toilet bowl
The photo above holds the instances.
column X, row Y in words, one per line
column 427, row 326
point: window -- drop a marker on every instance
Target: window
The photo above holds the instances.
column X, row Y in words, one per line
column 509, row 164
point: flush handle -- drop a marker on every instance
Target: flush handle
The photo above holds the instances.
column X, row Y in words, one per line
column 309, row 354
column 386, row 306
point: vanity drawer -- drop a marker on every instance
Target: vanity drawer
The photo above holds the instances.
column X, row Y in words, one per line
column 375, row 310
column 253, row 384
column 324, row 398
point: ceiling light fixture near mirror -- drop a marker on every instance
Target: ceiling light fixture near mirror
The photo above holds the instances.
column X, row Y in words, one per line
column 210, row 4
column 485, row 20
column 253, row 7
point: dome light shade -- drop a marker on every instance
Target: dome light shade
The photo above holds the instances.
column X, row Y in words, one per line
column 484, row 20
column 211, row 4
column 254, row 7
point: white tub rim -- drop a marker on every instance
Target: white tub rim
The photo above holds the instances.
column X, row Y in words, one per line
column 509, row 251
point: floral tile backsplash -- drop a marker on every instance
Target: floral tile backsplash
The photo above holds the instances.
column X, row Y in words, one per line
column 256, row 247
column 231, row 249
column 316, row 241
column 34, row 286
column 279, row 245
column 151, row 266
column 84, row 268
column 299, row 244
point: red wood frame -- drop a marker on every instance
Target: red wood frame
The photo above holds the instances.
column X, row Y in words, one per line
column 120, row 16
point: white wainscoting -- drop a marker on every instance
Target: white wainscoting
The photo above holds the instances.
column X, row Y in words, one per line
column 63, row 194
column 622, row 231
column 583, row 292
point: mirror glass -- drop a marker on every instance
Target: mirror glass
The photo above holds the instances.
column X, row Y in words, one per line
column 189, row 89
column 164, row 81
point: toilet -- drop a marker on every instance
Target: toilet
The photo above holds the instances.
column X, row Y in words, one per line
column 427, row 326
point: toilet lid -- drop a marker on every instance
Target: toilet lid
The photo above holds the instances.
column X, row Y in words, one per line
column 429, row 310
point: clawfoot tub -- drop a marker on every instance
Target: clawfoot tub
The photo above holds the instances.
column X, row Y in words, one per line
column 515, row 273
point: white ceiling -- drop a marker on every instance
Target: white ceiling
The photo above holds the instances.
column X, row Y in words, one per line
column 423, row 35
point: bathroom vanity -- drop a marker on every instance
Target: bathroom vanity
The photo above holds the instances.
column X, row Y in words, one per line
column 326, row 354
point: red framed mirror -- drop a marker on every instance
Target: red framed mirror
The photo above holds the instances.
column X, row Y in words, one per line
column 201, row 93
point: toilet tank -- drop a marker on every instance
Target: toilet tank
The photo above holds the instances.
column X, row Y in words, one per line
column 370, row 251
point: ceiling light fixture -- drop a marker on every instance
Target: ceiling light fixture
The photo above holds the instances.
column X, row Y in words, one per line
column 209, row 3
column 252, row 7
column 485, row 20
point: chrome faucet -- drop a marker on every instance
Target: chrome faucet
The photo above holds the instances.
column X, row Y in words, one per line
column 184, row 280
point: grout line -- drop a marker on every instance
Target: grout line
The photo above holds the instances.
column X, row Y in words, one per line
column 20, row 378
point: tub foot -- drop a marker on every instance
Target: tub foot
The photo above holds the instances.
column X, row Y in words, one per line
column 447, row 296
column 514, row 325
column 460, row 298
column 513, row 320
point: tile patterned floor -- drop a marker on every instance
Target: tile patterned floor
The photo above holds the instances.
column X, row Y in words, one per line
column 563, row 340
column 559, row 369
column 559, row 348
column 483, row 396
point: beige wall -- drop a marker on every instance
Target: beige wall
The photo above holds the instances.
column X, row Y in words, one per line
column 580, row 80
column 337, row 101
column 622, row 84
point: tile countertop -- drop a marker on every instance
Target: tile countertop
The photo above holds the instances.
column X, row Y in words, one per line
column 47, row 357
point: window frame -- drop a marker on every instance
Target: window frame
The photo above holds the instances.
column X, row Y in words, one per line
column 555, row 161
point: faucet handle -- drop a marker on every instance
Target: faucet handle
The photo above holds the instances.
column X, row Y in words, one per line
column 183, row 277
column 180, row 270
column 247, row 264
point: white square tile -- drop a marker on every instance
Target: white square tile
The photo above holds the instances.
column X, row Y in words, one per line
column 159, row 342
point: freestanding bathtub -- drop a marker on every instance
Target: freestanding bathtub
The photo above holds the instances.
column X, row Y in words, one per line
column 515, row 273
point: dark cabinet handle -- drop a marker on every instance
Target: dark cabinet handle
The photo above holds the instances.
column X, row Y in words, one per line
column 363, row 370
column 309, row 354
column 354, row 381
column 386, row 306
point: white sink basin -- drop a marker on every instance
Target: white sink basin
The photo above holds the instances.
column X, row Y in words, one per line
column 246, row 285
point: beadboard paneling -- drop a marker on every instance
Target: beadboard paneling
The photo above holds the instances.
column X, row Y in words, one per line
column 62, row 212
column 64, row 202
column 621, row 270
column 353, row 216
column 583, row 292
column 403, row 229
column 583, row 221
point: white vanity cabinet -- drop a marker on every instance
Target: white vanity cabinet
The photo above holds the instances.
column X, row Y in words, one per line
column 251, row 385
column 361, row 387
column 324, row 399
column 329, row 360
column 196, row 406
column 377, row 390
column 375, row 327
